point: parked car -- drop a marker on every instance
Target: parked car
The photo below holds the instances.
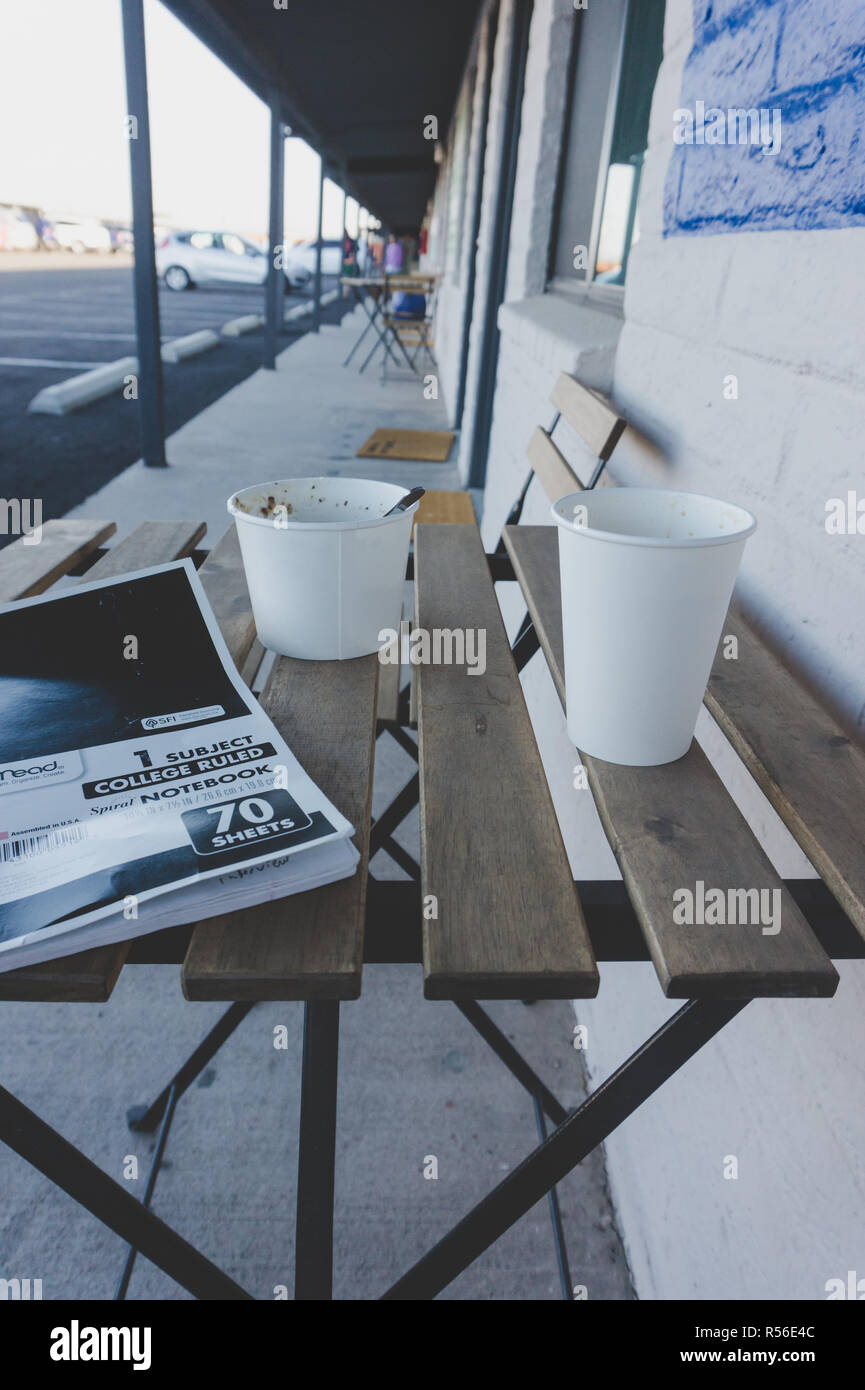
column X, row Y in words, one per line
column 17, row 232
column 80, row 234
column 187, row 259
column 121, row 237
column 331, row 255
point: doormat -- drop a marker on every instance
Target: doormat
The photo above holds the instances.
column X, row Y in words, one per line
column 427, row 446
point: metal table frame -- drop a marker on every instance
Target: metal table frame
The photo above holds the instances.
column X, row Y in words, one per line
column 393, row 936
column 361, row 289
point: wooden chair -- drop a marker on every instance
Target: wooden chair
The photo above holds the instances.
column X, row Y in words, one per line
column 593, row 417
column 412, row 333
column 600, row 426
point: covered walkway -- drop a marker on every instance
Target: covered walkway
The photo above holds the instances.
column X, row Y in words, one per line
column 306, row 418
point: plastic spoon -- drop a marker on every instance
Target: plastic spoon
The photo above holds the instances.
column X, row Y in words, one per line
column 405, row 502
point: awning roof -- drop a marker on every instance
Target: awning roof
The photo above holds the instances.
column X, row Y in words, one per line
column 355, row 78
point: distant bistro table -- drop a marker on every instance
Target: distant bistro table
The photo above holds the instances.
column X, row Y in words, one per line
column 492, row 912
column 373, row 294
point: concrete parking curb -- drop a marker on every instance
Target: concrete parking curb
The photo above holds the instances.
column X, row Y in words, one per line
column 245, row 324
column 78, row 391
column 300, row 310
column 190, row 345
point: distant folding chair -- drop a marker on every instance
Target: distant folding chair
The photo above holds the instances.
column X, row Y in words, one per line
column 408, row 322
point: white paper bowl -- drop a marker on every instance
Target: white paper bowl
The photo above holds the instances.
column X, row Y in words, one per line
column 325, row 567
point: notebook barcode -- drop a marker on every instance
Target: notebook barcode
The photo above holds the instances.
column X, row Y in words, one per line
column 26, row 846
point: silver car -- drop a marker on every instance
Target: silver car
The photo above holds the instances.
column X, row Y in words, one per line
column 187, row 259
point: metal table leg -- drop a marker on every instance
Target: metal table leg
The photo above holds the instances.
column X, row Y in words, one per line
column 516, row 1064
column 123, row 1285
column 562, row 1264
column 371, row 317
column 381, row 341
column 620, row 1095
column 144, row 1118
column 71, row 1170
column 313, row 1269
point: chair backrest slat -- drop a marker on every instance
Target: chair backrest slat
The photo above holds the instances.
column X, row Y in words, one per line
column 555, row 474
column 594, row 418
column 600, row 427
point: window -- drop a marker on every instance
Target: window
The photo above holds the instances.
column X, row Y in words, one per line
column 619, row 50
column 202, row 241
column 642, row 51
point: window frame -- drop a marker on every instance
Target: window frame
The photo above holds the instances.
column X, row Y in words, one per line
column 586, row 287
column 618, row 291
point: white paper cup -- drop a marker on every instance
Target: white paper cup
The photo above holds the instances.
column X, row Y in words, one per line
column 647, row 576
column 324, row 565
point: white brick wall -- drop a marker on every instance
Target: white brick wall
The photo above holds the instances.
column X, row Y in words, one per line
column 777, row 1088
column 781, row 1087
column 540, row 140
column 492, row 174
column 450, row 307
column 540, row 337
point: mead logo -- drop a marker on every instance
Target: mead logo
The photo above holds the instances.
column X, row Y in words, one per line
column 21, row 1288
column 76, row 1343
column 37, row 770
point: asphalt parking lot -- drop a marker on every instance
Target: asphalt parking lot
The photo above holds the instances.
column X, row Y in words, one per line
column 76, row 313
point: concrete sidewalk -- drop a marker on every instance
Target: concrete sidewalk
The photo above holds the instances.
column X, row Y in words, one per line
column 307, row 418
column 415, row 1080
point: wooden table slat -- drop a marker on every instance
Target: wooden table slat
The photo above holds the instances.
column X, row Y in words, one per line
column 27, row 570
column 90, row 976
column 309, row 946
column 249, row 669
column 224, row 583
column 444, row 507
column 509, row 923
column 671, row 827
column 800, row 757
column 389, row 678
column 169, row 540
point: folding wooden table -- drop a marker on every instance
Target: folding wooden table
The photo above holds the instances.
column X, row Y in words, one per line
column 374, row 288
column 379, row 289
column 509, row 922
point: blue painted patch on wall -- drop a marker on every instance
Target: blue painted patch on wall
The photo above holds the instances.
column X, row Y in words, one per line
column 804, row 59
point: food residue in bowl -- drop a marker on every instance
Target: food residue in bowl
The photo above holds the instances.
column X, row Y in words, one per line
column 271, row 509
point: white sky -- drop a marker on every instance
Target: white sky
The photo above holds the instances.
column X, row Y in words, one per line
column 62, row 109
